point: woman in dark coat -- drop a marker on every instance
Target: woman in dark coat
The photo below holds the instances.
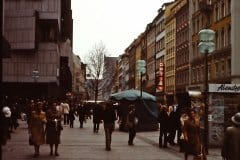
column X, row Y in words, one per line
column 53, row 128
column 163, row 119
column 131, row 123
column 71, row 116
column 96, row 117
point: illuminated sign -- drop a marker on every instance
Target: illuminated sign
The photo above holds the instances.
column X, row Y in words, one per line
column 160, row 85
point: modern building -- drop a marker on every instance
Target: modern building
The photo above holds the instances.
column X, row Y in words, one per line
column 40, row 36
column 109, row 77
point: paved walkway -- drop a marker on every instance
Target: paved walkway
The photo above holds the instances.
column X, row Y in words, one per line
column 83, row 144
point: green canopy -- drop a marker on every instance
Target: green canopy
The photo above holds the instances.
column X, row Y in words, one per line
column 132, row 95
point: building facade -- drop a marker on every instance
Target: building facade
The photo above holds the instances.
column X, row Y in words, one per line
column 170, row 45
column 182, row 53
column 40, row 36
column 150, row 58
column 79, row 79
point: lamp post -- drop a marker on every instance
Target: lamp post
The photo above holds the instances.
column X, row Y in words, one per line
column 35, row 75
column 206, row 46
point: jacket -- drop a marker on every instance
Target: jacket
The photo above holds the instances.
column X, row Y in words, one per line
column 231, row 143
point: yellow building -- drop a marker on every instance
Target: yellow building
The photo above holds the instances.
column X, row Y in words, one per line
column 170, row 46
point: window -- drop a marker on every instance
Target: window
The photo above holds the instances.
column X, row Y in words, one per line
column 222, row 69
column 216, row 69
column 229, row 35
column 228, row 72
column 222, row 9
column 47, row 31
column 229, row 7
column 222, row 38
column 216, row 13
column 216, row 38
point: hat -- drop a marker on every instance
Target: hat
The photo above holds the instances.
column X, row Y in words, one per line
column 236, row 118
column 6, row 111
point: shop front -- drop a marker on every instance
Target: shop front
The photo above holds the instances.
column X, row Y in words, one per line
column 223, row 104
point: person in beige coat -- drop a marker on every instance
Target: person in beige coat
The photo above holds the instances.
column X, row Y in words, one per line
column 38, row 120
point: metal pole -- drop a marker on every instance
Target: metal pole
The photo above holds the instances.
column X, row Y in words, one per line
column 206, row 128
column 141, row 83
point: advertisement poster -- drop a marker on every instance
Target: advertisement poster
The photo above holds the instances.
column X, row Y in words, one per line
column 216, row 121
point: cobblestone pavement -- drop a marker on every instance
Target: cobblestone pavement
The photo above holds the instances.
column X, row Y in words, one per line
column 83, row 144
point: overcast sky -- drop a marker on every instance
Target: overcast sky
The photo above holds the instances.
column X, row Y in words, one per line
column 115, row 23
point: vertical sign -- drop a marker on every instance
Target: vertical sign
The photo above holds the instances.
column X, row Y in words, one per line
column 160, row 85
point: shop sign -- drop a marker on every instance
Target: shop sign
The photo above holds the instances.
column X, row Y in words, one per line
column 160, row 85
column 224, row 88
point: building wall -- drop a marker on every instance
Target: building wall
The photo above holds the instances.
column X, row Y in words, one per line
column 235, row 39
column 182, row 50
column 170, row 43
column 138, row 57
column 32, row 29
column 150, row 61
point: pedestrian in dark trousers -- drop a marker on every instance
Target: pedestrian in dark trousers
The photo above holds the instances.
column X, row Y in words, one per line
column 231, row 141
column 172, row 125
column 71, row 116
column 109, row 118
column 163, row 119
column 131, row 123
column 13, row 120
column 96, row 117
column 3, row 130
column 81, row 114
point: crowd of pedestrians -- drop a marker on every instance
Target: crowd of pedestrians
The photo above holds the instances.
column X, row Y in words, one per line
column 45, row 121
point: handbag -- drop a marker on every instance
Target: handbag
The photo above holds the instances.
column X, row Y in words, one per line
column 135, row 121
column 30, row 140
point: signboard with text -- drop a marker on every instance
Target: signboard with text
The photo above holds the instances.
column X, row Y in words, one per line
column 224, row 88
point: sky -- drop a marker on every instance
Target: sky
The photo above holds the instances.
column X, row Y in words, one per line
column 115, row 23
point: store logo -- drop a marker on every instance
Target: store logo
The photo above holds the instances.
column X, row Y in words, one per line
column 228, row 88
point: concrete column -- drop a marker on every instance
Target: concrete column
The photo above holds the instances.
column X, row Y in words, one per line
column 235, row 40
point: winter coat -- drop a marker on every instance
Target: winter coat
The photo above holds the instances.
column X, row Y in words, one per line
column 231, row 143
column 53, row 127
column 163, row 119
column 191, row 131
column 37, row 123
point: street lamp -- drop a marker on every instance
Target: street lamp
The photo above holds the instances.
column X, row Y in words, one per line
column 35, row 75
column 206, row 46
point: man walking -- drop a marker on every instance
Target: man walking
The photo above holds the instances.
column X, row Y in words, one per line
column 109, row 118
column 231, row 142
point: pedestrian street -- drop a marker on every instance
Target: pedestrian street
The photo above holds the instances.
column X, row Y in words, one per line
column 84, row 144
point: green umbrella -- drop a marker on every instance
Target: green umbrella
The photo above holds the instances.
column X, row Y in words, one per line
column 132, row 95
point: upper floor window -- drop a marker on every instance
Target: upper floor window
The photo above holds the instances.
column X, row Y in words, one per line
column 47, row 31
column 222, row 9
column 229, row 34
column 222, row 38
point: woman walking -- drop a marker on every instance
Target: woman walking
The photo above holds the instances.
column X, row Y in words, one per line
column 131, row 123
column 38, row 120
column 191, row 132
column 53, row 128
